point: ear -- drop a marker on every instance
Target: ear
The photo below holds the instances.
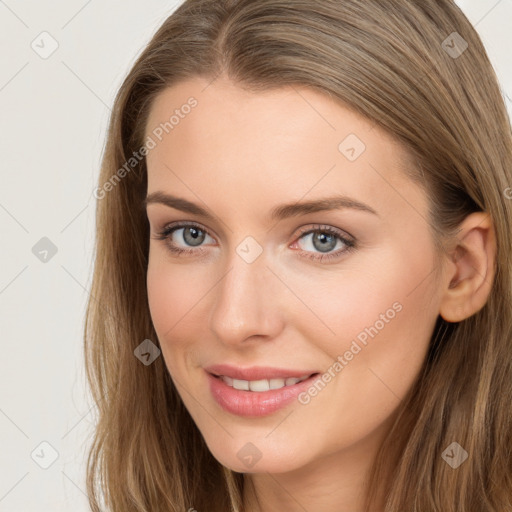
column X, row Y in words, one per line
column 470, row 268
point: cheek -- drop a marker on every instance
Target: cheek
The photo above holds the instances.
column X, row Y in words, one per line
column 386, row 289
column 174, row 290
column 378, row 318
column 382, row 322
column 174, row 293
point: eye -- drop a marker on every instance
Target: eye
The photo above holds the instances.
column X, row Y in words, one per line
column 325, row 239
column 181, row 237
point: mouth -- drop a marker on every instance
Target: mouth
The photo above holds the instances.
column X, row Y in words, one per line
column 262, row 385
column 242, row 378
column 255, row 397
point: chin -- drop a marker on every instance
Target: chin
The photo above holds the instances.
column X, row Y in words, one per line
column 244, row 456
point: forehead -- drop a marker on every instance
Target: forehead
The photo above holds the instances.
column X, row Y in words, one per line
column 289, row 141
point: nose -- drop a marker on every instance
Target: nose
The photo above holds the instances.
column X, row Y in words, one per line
column 246, row 303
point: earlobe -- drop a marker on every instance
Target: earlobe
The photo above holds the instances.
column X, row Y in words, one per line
column 468, row 281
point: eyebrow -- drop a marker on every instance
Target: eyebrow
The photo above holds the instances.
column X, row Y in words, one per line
column 278, row 213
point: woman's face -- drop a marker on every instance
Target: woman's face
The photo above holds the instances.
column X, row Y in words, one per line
column 342, row 289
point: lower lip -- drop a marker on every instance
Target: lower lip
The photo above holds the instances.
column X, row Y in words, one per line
column 253, row 403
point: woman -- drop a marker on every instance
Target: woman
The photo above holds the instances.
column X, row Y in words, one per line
column 302, row 286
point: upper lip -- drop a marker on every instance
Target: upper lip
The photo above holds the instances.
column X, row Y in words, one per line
column 256, row 372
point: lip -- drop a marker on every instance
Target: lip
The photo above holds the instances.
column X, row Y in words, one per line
column 256, row 372
column 253, row 404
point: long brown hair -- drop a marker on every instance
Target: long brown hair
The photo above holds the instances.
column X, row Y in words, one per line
column 403, row 65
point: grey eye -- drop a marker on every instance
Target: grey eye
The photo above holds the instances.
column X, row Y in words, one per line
column 321, row 241
column 193, row 236
column 324, row 242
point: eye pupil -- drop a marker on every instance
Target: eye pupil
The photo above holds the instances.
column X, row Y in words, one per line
column 193, row 236
column 320, row 238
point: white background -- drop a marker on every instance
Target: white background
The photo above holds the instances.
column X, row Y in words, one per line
column 53, row 118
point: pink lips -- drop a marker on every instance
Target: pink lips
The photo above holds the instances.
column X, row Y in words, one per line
column 256, row 372
column 252, row 403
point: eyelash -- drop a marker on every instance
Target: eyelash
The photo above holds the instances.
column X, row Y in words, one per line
column 350, row 245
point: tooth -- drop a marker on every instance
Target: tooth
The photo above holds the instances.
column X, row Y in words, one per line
column 241, row 384
column 259, row 385
column 263, row 384
column 277, row 383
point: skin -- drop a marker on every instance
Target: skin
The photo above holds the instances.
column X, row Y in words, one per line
column 240, row 154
